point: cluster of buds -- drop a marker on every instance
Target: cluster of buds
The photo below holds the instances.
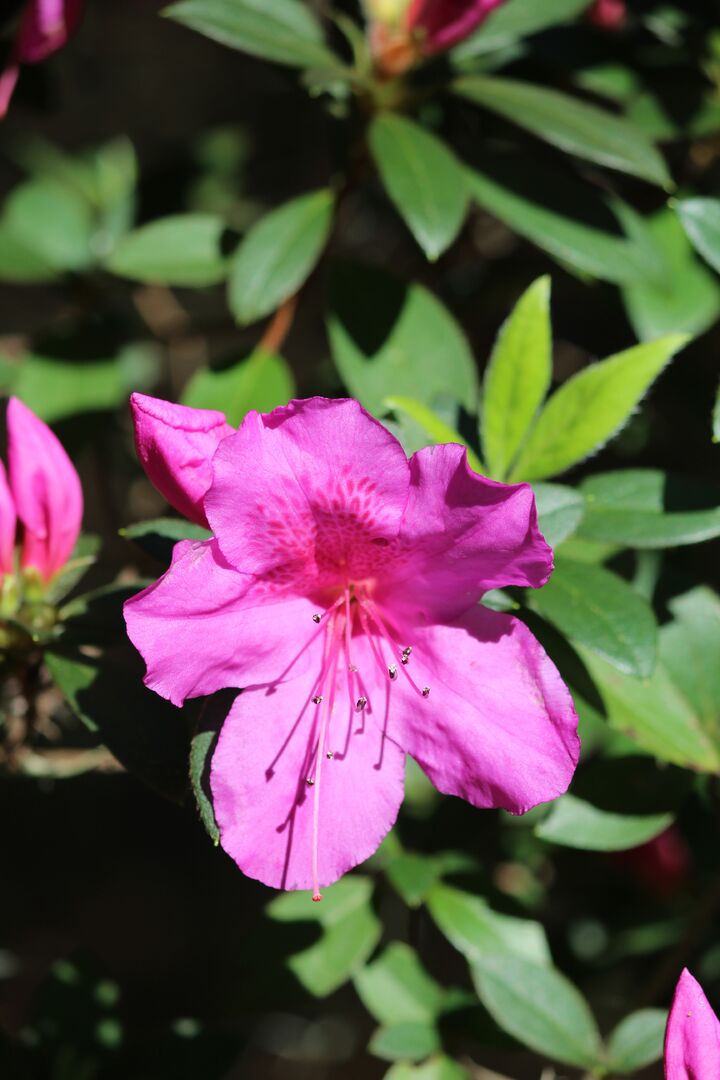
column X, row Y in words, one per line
column 41, row 508
column 403, row 32
column 43, row 28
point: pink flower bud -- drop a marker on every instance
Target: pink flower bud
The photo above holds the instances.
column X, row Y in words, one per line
column 175, row 445
column 46, row 491
column 403, row 31
column 692, row 1036
column 8, row 520
column 443, row 23
column 45, row 27
column 608, row 14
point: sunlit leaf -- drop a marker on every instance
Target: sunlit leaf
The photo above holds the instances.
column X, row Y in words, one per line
column 591, row 407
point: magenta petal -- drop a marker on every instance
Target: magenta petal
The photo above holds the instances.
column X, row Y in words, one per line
column 8, row 520
column 46, row 491
column 499, row 727
column 264, row 805
column 204, row 627
column 692, row 1037
column 464, row 535
column 176, row 445
column 446, row 22
column 308, row 493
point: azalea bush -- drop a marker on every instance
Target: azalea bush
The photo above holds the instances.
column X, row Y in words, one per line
column 359, row 523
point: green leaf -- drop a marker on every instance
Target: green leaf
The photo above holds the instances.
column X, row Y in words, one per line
column 435, row 428
column 261, row 382
column 396, row 989
column 278, row 253
column 437, row 1067
column 351, row 930
column 55, row 389
column 387, row 336
column 476, row 930
column 539, row 1007
column 201, row 749
column 517, row 377
column 413, row 875
column 212, row 714
column 406, row 1041
column 689, row 649
column 19, row 263
column 159, row 536
column 172, row 529
column 286, row 32
column 51, row 223
column 572, row 125
column 645, row 508
column 541, row 207
column 423, row 178
column 513, row 20
column 577, row 824
column 560, row 511
column 596, row 608
column 180, row 250
column 637, row 1041
column 716, row 417
column 591, row 407
column 700, row 218
column 654, row 714
column 687, row 301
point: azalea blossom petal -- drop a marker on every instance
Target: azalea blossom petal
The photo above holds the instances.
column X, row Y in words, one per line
column 463, row 535
column 498, row 728
column 264, row 805
column 46, row 491
column 445, row 22
column 8, row 522
column 692, row 1036
column 175, row 445
column 204, row 627
column 308, row 492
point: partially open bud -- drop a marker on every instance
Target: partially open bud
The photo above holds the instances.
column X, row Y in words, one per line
column 402, row 32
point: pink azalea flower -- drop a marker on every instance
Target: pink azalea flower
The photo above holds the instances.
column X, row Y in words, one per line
column 340, row 591
column 692, row 1036
column 45, row 27
column 608, row 14
column 44, row 493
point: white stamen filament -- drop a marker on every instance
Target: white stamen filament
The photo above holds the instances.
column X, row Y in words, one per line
column 337, row 640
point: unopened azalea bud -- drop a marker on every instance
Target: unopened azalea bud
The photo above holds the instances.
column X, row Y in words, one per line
column 8, row 522
column 403, row 31
column 692, row 1036
column 608, row 14
column 45, row 492
column 392, row 12
column 662, row 864
column 45, row 26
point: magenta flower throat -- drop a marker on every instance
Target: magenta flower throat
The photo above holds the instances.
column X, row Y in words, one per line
column 340, row 591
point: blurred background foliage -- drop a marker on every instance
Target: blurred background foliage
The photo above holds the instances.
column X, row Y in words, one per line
column 515, row 246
